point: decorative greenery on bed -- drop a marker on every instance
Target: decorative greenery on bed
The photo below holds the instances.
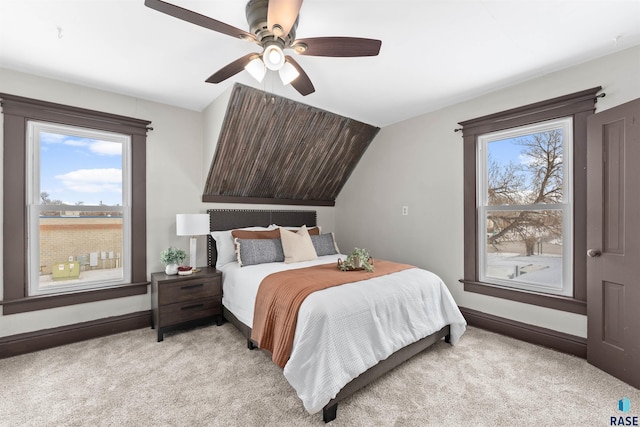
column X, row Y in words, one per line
column 358, row 259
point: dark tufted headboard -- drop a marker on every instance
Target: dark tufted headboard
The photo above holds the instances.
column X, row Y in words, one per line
column 229, row 219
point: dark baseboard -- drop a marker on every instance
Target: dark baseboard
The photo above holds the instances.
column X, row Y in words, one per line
column 549, row 338
column 39, row 340
column 15, row 345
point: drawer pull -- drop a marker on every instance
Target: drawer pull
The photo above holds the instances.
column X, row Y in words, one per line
column 191, row 307
column 199, row 285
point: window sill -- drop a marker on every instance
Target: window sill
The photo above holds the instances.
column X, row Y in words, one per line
column 555, row 302
column 42, row 302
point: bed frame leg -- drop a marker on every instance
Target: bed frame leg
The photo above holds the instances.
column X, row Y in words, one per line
column 329, row 413
column 447, row 338
column 250, row 344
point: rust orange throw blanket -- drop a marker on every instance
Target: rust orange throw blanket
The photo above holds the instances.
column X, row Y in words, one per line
column 280, row 296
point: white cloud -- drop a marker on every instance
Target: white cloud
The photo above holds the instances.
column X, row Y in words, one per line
column 527, row 160
column 106, row 148
column 93, row 180
column 103, row 148
column 51, row 138
column 56, row 138
column 76, row 142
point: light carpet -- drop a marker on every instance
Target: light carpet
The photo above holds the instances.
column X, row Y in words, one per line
column 207, row 377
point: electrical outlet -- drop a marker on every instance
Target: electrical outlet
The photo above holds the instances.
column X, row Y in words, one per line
column 405, row 210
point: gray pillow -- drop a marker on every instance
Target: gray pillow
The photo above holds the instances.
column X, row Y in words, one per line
column 325, row 244
column 258, row 251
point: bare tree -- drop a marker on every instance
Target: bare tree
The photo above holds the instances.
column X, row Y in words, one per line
column 45, row 200
column 536, row 180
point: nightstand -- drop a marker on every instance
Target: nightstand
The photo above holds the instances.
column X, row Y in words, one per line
column 185, row 301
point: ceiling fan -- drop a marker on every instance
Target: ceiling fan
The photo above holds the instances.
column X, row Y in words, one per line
column 272, row 25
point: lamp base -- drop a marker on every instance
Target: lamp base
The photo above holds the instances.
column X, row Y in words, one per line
column 192, row 252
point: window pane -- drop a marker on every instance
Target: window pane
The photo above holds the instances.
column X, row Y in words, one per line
column 526, row 169
column 79, row 247
column 79, row 171
column 525, row 247
column 78, row 209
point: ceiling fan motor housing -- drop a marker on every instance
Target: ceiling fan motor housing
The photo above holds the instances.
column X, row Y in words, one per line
column 256, row 12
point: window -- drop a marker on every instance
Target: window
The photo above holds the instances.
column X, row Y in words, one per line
column 33, row 206
column 525, row 202
column 525, row 231
column 78, row 187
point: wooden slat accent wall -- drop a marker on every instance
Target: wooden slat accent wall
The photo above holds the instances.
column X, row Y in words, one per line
column 275, row 150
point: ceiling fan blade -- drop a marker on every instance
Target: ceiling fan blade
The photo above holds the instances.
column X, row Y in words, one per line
column 302, row 83
column 283, row 13
column 231, row 69
column 198, row 19
column 337, row 46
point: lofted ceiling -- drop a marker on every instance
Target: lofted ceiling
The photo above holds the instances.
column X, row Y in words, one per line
column 275, row 150
column 434, row 52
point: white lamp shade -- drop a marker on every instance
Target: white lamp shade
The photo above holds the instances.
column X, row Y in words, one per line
column 256, row 68
column 273, row 57
column 288, row 73
column 192, row 224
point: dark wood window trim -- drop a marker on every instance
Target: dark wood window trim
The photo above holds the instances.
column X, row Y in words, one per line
column 17, row 111
column 579, row 106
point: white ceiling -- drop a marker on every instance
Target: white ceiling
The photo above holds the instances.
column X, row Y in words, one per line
column 434, row 52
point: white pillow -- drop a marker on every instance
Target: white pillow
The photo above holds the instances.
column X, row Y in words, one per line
column 226, row 247
column 298, row 246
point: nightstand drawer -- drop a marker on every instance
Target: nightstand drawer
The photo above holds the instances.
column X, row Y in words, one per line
column 173, row 314
column 189, row 289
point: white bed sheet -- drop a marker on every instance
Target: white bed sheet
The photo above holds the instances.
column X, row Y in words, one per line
column 344, row 330
column 240, row 284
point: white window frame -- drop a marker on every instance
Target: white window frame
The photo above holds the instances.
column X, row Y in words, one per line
column 566, row 206
column 34, row 206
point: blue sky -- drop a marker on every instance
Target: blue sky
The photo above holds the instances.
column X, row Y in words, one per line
column 74, row 169
column 506, row 150
column 509, row 150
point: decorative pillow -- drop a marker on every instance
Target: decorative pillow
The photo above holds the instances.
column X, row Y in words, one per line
column 225, row 247
column 325, row 244
column 256, row 234
column 273, row 233
column 258, row 251
column 297, row 247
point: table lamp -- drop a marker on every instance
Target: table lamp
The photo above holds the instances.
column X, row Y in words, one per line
column 192, row 225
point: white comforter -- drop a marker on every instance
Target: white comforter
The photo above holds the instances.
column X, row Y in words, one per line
column 344, row 330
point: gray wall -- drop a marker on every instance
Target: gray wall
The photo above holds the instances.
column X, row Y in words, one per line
column 418, row 163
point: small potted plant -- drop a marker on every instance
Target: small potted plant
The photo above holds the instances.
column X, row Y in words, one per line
column 359, row 259
column 172, row 258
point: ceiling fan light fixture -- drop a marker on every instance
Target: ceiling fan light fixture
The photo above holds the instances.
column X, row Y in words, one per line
column 300, row 48
column 273, row 57
column 288, row 73
column 277, row 30
column 256, row 68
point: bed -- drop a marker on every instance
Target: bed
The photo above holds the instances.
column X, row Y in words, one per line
column 352, row 355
